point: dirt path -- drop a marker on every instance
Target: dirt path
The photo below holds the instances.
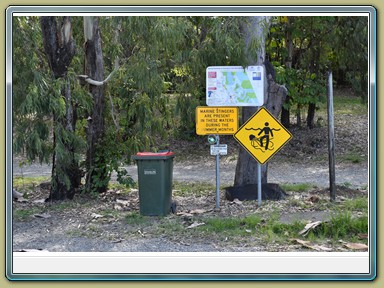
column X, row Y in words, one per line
column 353, row 175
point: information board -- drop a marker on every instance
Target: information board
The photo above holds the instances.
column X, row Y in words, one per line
column 235, row 86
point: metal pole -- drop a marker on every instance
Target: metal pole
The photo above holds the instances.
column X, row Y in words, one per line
column 258, row 184
column 218, row 175
column 331, row 140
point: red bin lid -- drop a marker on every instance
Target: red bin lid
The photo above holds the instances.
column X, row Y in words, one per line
column 166, row 153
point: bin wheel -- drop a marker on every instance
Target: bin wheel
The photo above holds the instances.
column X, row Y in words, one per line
column 173, row 207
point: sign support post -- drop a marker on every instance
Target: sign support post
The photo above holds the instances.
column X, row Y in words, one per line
column 331, row 140
column 218, row 175
column 258, row 184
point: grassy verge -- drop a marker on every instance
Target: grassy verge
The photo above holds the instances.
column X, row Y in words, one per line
column 192, row 188
column 345, row 103
column 235, row 225
column 297, row 187
column 342, row 226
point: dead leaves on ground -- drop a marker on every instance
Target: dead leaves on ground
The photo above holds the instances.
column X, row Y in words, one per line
column 96, row 216
column 195, row 224
column 307, row 244
column 312, row 226
column 187, row 215
column 31, row 250
column 192, row 213
column 122, row 204
column 354, row 246
column 309, row 227
column 43, row 215
column 321, row 248
column 18, row 197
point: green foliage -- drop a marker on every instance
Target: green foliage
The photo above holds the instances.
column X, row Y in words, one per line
column 206, row 41
column 349, row 57
column 31, row 102
column 321, row 43
column 139, row 108
column 303, row 87
column 314, row 45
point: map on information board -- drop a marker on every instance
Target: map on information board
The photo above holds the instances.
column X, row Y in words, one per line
column 235, row 86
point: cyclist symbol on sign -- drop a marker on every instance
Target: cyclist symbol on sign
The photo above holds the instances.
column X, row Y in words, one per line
column 258, row 142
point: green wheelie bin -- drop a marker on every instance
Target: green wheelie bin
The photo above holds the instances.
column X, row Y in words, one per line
column 155, row 173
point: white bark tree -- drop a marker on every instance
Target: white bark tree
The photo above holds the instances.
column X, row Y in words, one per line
column 255, row 32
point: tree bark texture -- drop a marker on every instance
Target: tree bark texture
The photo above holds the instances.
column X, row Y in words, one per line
column 97, row 174
column 59, row 48
column 285, row 113
column 311, row 115
column 313, row 69
column 274, row 96
column 59, row 45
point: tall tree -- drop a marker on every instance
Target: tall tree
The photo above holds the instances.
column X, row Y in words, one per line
column 285, row 113
column 97, row 177
column 254, row 32
column 59, row 48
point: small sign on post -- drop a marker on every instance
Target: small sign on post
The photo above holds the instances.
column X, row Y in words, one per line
column 219, row 149
column 217, row 120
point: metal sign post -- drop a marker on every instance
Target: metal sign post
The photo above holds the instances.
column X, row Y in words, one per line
column 331, row 140
column 218, row 175
column 217, row 150
column 258, row 184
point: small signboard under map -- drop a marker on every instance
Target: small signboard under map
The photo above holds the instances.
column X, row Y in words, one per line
column 235, row 86
column 216, row 120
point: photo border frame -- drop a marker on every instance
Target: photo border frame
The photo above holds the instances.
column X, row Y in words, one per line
column 372, row 80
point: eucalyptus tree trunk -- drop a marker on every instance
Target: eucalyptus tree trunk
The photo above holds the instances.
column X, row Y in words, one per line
column 97, row 174
column 59, row 48
column 313, row 69
column 285, row 113
column 274, row 95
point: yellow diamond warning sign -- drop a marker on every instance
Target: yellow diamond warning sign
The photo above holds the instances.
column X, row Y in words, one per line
column 216, row 120
column 262, row 135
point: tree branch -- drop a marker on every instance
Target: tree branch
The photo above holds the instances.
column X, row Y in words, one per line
column 89, row 80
